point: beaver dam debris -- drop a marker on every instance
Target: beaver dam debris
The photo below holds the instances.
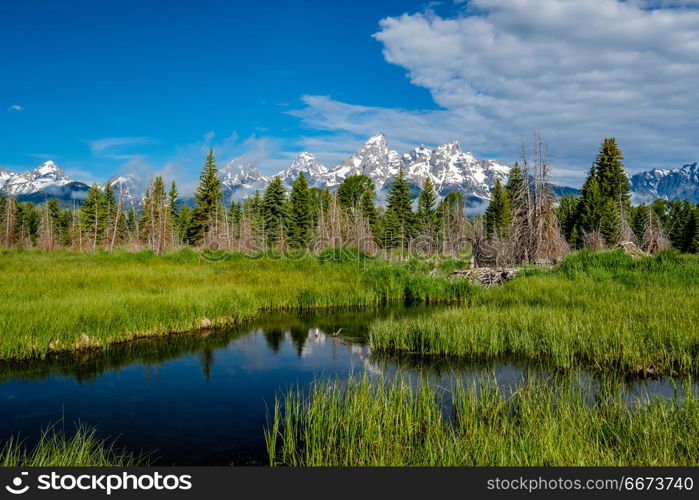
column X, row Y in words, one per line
column 487, row 276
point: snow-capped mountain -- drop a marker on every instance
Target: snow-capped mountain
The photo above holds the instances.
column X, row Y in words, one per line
column 44, row 182
column 674, row 184
column 447, row 165
column 45, row 175
column 240, row 179
column 374, row 159
column 305, row 162
column 450, row 168
column 128, row 189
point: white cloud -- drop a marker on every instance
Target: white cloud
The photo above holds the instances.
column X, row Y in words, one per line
column 15, row 108
column 106, row 146
column 575, row 70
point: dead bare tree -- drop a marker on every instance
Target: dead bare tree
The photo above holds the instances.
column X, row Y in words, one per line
column 535, row 234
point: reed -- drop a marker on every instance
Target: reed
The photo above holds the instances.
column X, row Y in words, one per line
column 603, row 310
column 63, row 301
column 374, row 423
column 56, row 449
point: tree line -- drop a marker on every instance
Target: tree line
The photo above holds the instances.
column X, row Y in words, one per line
column 522, row 223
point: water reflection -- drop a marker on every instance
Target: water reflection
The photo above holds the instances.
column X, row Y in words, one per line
column 202, row 398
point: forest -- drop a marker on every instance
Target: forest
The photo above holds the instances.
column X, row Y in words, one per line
column 523, row 223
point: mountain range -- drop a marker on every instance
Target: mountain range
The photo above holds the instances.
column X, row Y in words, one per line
column 448, row 166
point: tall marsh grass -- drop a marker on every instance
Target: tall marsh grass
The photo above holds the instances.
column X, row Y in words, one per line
column 604, row 310
column 374, row 423
column 55, row 449
column 60, row 301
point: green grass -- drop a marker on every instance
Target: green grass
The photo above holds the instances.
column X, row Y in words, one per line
column 371, row 423
column 55, row 449
column 603, row 310
column 63, row 301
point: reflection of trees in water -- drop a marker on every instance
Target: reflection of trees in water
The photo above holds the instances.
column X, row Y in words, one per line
column 273, row 338
column 298, row 338
column 207, row 362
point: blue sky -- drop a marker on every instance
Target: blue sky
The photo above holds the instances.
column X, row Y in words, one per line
column 109, row 87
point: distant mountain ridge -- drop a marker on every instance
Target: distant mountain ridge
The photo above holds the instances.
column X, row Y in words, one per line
column 676, row 184
column 450, row 168
column 447, row 165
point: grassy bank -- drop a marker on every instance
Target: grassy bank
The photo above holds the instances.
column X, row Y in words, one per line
column 372, row 424
column 604, row 310
column 83, row 449
column 62, row 301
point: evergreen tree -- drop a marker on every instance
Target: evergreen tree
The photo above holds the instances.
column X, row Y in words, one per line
column 610, row 222
column 498, row 215
column 274, row 214
column 90, row 213
column 515, row 185
column 235, row 217
column 567, row 215
column 368, row 205
column 27, row 223
column 107, row 208
column 426, row 208
column 300, row 213
column 132, row 222
column 207, row 201
column 609, row 170
column 590, row 205
column 690, row 241
column 399, row 214
column 173, row 195
column 184, row 221
column 351, row 192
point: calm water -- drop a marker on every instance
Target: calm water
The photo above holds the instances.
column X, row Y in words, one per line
column 203, row 399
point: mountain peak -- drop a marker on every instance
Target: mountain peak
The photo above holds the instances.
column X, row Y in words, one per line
column 377, row 139
column 305, row 162
column 48, row 169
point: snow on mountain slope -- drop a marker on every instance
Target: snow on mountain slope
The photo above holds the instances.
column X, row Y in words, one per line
column 240, row 179
column 447, row 166
column 128, row 188
column 45, row 175
column 305, row 162
column 675, row 184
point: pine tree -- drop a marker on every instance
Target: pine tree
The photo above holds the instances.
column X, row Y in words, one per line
column 567, row 215
column 172, row 196
column 609, row 170
column 610, row 222
column 207, row 201
column 300, row 213
column 90, row 212
column 426, row 210
column 690, row 241
column 235, row 217
column 351, row 191
column 274, row 214
column 27, row 224
column 368, row 206
column 590, row 205
column 498, row 215
column 132, row 223
column 107, row 209
column 516, row 184
column 184, row 221
column 399, row 214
